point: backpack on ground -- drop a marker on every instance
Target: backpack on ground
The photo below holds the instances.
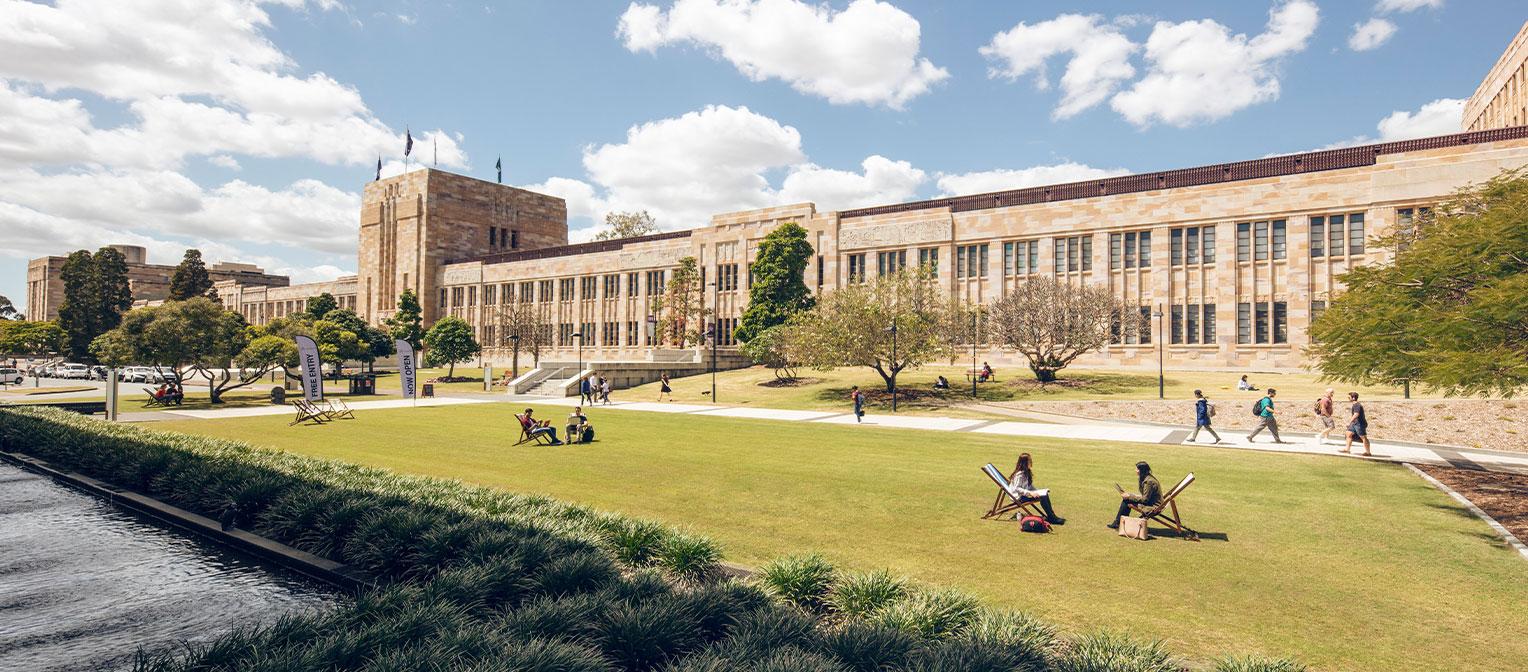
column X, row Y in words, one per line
column 1034, row 524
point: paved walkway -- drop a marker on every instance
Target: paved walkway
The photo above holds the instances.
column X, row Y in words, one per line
column 254, row 411
column 1390, row 451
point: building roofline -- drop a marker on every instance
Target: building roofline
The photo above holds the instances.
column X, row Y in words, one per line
column 1275, row 166
column 567, row 250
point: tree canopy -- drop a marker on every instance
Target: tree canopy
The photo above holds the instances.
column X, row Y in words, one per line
column 96, row 294
column 196, row 336
column 1052, row 322
column 448, row 342
column 408, row 323
column 320, row 306
column 771, row 348
column 852, row 326
column 190, row 279
column 26, row 337
column 682, row 306
column 779, row 287
column 1450, row 310
column 627, row 225
column 7, row 309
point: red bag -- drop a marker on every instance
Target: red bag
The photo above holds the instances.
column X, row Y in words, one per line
column 1034, row 524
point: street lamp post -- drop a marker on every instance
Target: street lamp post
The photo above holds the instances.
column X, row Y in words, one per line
column 973, row 354
column 894, row 360
column 715, row 333
column 1161, row 381
column 580, row 336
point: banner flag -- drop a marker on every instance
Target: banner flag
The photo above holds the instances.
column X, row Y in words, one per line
column 498, row 165
column 379, row 166
column 408, row 141
column 405, row 367
column 312, row 368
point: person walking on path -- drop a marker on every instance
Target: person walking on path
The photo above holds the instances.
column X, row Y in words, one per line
column 1203, row 411
column 605, row 390
column 663, row 387
column 1263, row 409
column 859, row 403
column 1324, row 414
column 584, row 387
column 1358, row 426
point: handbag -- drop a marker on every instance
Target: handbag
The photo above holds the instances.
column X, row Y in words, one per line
column 1134, row 528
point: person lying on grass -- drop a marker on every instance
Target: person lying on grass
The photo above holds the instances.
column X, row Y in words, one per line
column 534, row 427
column 1151, row 493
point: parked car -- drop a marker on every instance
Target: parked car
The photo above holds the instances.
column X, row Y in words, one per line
column 74, row 372
column 98, row 372
column 10, row 376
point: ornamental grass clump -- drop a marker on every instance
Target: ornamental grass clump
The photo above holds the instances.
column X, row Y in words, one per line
column 931, row 614
column 860, row 595
column 1258, row 664
column 803, row 580
column 866, row 647
column 1107, row 651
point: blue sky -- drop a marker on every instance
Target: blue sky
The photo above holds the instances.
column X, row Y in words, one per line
column 249, row 128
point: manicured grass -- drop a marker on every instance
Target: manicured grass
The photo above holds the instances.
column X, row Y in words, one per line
column 1348, row 565
column 816, row 390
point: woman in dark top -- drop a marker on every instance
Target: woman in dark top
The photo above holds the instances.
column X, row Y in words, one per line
column 1358, row 426
column 1023, row 482
column 859, row 403
column 663, row 387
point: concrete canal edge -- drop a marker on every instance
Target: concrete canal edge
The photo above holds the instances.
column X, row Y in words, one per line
column 299, row 561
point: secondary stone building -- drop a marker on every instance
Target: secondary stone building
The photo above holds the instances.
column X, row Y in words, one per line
column 150, row 283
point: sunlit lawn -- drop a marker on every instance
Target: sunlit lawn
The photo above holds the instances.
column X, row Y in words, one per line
column 1346, row 564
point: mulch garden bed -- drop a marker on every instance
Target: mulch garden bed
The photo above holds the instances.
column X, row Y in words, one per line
column 1502, row 496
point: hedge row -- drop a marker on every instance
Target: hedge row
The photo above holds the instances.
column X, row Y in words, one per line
column 475, row 579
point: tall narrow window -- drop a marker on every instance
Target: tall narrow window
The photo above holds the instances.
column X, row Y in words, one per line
column 1130, row 250
column 960, row 261
column 1207, row 244
column 514, row 240
column 1193, row 323
column 1145, row 325
column 983, row 248
column 1034, row 255
column 1280, row 322
column 1280, row 244
column 1115, row 242
column 1356, row 233
column 1260, row 322
column 1008, row 266
column 819, row 270
column 1209, row 323
column 1145, row 249
column 1244, row 242
column 1260, row 241
column 1243, row 323
column 1175, row 248
column 1335, row 243
column 1191, row 245
column 928, row 258
column 1087, row 253
column 1176, row 330
column 1317, row 237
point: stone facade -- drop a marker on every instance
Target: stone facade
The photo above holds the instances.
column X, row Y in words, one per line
column 1501, row 101
column 260, row 305
column 150, row 283
column 1237, row 257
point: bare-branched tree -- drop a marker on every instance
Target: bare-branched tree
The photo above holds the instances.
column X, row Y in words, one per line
column 1052, row 323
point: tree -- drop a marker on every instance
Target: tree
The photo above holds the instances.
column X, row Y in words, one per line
column 373, row 343
column 407, row 324
column 7, row 309
column 1449, row 310
column 770, row 348
column 25, row 337
column 525, row 326
column 682, row 306
column 779, row 288
column 336, row 342
column 1052, row 322
column 196, row 336
column 96, row 294
column 190, row 279
column 627, row 225
column 450, row 341
column 321, row 305
column 852, row 326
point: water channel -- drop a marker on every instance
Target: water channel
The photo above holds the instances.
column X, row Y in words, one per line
column 83, row 585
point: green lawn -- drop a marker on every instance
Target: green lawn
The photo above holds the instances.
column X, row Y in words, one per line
column 1346, row 564
column 757, row 386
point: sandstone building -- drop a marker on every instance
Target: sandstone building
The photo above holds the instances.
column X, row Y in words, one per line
column 150, row 283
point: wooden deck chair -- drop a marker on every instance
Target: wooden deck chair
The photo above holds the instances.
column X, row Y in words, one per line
column 1008, row 501
column 527, row 436
column 1160, row 511
column 307, row 411
column 153, row 400
column 339, row 410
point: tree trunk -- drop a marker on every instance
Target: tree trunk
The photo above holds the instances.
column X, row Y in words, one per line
column 450, row 370
column 1044, row 374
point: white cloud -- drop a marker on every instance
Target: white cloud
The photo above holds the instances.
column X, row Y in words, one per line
column 883, row 181
column 580, row 196
column 965, row 184
column 224, row 161
column 1100, row 58
column 1198, row 71
column 1370, row 34
column 864, row 53
column 1406, row 5
column 1439, row 117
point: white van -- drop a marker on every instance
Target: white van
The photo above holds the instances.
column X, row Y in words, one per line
column 10, row 376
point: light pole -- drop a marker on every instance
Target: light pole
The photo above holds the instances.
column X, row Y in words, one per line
column 893, row 330
column 580, row 336
column 1161, row 381
column 715, row 332
column 973, row 354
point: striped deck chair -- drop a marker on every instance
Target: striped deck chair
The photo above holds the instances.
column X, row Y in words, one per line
column 1008, row 500
column 1160, row 511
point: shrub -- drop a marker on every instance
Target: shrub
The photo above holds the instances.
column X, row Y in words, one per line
column 968, row 655
column 1107, row 651
column 859, row 595
column 635, row 542
column 863, row 647
column 542, row 655
column 800, row 580
column 761, row 631
column 1257, row 664
column 643, row 636
column 792, row 659
column 689, row 557
column 1029, row 639
column 931, row 614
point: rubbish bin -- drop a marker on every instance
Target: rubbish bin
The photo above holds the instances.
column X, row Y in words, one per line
column 429, row 389
column 278, row 396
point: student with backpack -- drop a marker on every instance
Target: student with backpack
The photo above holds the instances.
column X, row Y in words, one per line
column 1203, row 411
column 859, row 403
column 1263, row 409
column 1324, row 413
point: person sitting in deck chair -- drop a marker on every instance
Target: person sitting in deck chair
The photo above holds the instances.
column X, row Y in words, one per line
column 1151, row 493
column 534, row 427
column 175, row 394
column 1023, row 482
column 579, row 430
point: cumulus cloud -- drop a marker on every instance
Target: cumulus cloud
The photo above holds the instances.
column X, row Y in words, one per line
column 883, row 181
column 865, row 53
column 1439, row 117
column 1099, row 58
column 1199, row 71
column 965, row 184
column 1406, row 5
column 1370, row 34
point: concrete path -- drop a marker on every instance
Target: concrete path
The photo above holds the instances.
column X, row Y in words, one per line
column 1075, row 428
column 254, row 411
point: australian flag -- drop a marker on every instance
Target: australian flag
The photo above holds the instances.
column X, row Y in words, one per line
column 408, row 141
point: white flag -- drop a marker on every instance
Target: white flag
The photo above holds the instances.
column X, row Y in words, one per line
column 405, row 367
column 312, row 369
